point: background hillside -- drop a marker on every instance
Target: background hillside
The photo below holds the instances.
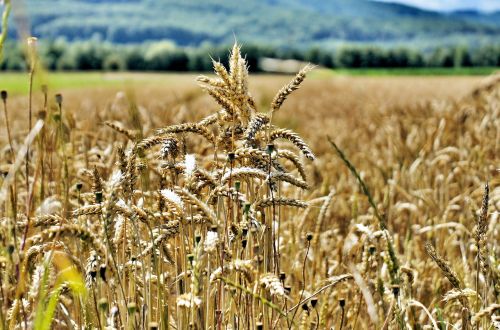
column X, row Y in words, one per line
column 299, row 23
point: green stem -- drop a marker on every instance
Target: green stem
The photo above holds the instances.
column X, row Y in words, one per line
column 5, row 20
column 394, row 262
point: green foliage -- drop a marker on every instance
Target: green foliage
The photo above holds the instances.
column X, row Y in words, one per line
column 114, row 62
column 69, row 277
column 44, row 317
column 272, row 22
column 165, row 57
column 96, row 55
column 13, row 57
column 5, row 19
column 146, row 35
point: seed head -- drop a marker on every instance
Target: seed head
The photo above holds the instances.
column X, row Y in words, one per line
column 59, row 99
column 103, row 304
column 131, row 308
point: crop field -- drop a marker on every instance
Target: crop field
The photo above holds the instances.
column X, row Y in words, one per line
column 230, row 201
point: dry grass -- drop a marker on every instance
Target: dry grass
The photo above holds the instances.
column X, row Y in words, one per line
column 170, row 207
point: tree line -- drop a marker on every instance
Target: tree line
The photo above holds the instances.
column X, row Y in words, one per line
column 165, row 56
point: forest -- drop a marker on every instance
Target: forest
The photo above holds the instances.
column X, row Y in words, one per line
column 94, row 55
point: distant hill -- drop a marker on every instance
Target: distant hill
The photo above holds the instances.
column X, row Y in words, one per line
column 297, row 23
column 475, row 16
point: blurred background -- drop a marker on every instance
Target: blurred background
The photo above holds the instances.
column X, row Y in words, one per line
column 151, row 35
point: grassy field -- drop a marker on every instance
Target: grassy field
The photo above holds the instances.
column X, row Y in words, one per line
column 476, row 71
column 17, row 84
column 151, row 201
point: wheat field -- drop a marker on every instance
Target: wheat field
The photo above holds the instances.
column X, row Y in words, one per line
column 237, row 202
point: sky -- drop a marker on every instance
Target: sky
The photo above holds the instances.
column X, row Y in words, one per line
column 447, row 5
